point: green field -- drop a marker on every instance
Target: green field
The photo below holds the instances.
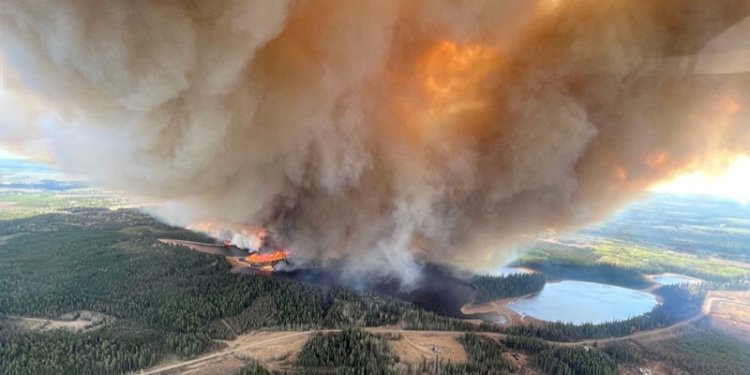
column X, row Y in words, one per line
column 699, row 236
column 21, row 204
column 634, row 257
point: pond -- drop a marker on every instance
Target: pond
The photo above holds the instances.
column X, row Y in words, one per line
column 674, row 279
column 581, row 302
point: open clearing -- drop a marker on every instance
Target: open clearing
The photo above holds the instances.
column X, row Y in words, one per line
column 653, row 278
column 76, row 322
column 197, row 246
column 734, row 263
column 221, row 366
column 415, row 347
column 6, row 205
column 278, row 349
column 268, row 345
column 630, row 255
column 730, row 312
column 275, row 350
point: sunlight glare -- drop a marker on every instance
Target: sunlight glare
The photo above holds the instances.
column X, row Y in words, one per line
column 733, row 183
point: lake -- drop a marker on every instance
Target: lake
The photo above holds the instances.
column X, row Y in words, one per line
column 581, row 302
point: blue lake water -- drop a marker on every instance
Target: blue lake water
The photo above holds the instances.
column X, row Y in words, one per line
column 581, row 302
column 674, row 279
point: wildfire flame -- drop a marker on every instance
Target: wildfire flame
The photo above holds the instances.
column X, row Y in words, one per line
column 247, row 237
column 243, row 236
column 272, row 257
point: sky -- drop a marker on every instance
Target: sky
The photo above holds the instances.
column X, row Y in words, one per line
column 733, row 183
column 8, row 155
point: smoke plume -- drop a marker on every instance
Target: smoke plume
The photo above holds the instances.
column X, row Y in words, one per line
column 377, row 133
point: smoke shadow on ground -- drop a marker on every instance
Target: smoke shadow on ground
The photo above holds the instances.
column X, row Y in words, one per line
column 438, row 289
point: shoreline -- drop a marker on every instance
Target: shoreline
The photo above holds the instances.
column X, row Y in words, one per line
column 500, row 307
column 652, row 278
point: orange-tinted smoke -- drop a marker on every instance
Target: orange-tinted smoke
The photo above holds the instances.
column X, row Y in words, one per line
column 377, row 133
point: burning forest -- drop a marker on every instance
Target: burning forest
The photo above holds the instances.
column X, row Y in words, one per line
column 381, row 135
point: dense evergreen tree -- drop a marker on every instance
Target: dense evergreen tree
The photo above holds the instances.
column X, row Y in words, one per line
column 584, row 270
column 492, row 288
column 419, row 319
column 111, row 262
column 562, row 360
column 486, row 355
column 697, row 351
column 574, row 361
column 254, row 368
column 349, row 351
column 116, row 349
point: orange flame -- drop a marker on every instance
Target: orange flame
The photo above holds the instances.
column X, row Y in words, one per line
column 219, row 231
column 265, row 258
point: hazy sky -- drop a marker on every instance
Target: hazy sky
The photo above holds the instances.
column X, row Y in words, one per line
column 8, row 155
column 733, row 183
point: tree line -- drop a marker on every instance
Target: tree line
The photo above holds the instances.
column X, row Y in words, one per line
column 563, row 360
column 349, row 351
column 699, row 350
column 492, row 288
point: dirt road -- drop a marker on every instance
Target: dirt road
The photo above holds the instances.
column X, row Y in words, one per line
column 44, row 324
column 197, row 246
column 730, row 312
column 234, row 346
column 247, row 342
column 650, row 335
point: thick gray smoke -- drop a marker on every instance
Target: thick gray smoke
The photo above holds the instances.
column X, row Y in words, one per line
column 378, row 133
